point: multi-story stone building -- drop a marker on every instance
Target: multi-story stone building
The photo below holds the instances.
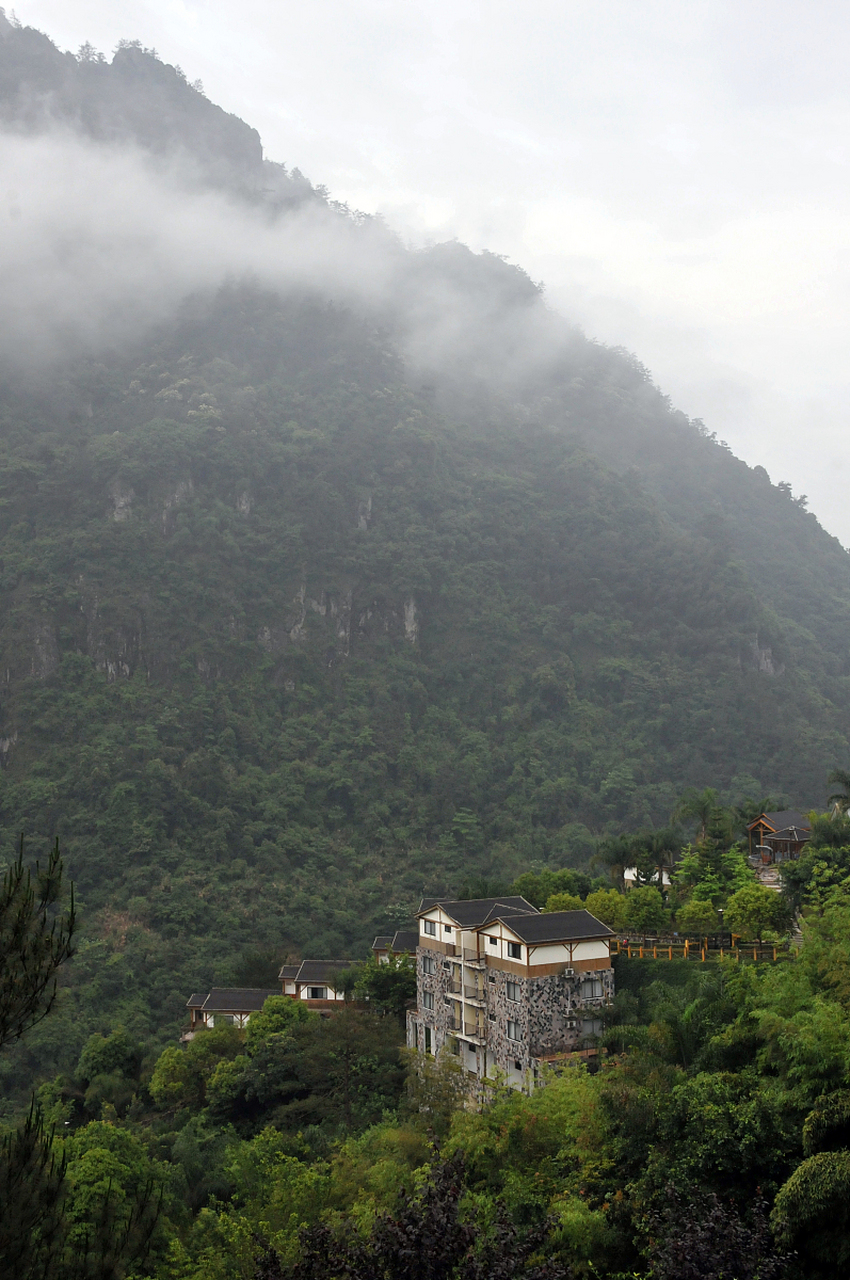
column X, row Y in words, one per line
column 507, row 987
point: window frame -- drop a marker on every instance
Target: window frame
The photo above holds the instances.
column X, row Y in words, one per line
column 514, row 950
column 429, row 927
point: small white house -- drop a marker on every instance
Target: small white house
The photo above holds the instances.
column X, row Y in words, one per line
column 231, row 1006
column 314, row 981
column 402, row 942
column 631, row 876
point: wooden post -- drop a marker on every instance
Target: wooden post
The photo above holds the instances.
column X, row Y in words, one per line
column 655, row 953
column 671, row 953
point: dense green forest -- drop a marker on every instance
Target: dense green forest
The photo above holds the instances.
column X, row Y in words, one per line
column 710, row 1142
column 311, row 606
column 313, row 601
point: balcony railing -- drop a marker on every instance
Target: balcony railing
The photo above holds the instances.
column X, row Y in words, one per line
column 454, row 1025
column 472, row 1031
column 473, row 993
column 472, row 957
column 454, row 988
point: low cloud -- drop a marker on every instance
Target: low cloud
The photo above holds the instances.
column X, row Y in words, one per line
column 99, row 242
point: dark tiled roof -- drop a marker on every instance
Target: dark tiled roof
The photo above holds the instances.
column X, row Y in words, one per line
column 321, row 970
column 781, row 819
column 405, row 940
column 556, row 926
column 196, row 999
column 476, row 911
column 288, row 973
column 382, row 942
column 237, row 999
column 789, row 833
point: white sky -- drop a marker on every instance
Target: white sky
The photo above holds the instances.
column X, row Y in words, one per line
column 675, row 171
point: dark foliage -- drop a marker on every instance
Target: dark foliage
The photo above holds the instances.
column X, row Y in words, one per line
column 427, row 1238
column 711, row 1240
column 31, row 1194
column 34, row 941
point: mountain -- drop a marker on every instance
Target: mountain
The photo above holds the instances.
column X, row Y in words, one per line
column 319, row 595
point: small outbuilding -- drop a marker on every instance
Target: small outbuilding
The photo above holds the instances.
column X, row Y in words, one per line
column 779, row 836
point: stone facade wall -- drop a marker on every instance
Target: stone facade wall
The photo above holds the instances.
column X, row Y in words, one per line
column 552, row 1014
column 439, row 985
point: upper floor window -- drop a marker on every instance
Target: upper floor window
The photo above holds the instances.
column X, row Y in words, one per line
column 316, row 993
column 427, row 1000
column 514, row 991
column 514, row 1032
column 447, row 928
column 514, row 951
column 591, row 988
column 430, row 927
column 428, row 965
column 494, row 942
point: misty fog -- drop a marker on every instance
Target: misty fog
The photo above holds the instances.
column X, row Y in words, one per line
column 101, row 241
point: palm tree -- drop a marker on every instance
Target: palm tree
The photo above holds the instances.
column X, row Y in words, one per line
column 841, row 799
column 700, row 805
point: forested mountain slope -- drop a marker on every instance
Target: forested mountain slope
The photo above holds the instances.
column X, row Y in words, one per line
column 310, row 604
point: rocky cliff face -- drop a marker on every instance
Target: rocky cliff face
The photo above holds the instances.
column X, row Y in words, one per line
column 133, row 98
column 307, row 607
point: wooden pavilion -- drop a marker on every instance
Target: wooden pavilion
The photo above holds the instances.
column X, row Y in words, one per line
column 780, row 836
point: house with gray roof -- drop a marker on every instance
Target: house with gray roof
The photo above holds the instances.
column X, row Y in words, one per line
column 402, row 942
column 231, row 1006
column 779, row 836
column 508, row 988
column 316, row 981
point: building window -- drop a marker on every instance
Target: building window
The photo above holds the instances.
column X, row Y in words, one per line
column 514, row 951
column 429, row 927
column 455, row 1046
column 427, row 999
column 591, row 989
column 427, row 1039
column 494, row 942
column 317, row 993
column 517, row 1065
column 491, row 977
column 514, row 991
column 428, row 965
column 447, row 928
column 492, row 1017
column 514, row 1031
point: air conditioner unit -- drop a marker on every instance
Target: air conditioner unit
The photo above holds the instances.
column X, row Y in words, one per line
column 570, row 973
